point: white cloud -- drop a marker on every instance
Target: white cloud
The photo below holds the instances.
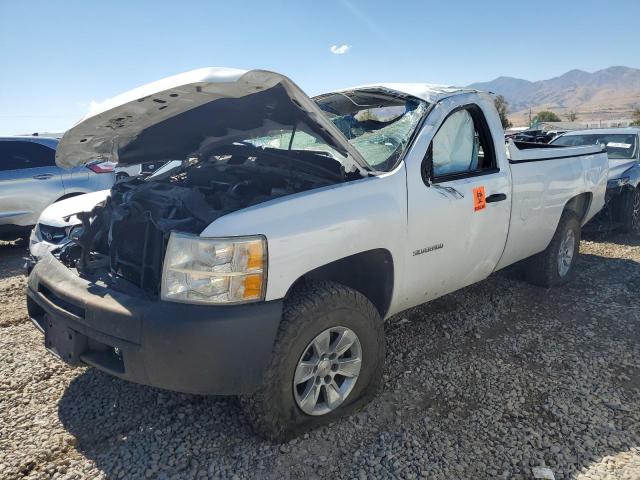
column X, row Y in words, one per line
column 340, row 49
column 89, row 106
column 93, row 106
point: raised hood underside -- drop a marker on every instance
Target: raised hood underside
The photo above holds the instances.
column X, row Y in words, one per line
column 195, row 112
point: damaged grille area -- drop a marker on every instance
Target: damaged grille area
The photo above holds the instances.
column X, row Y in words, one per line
column 52, row 234
column 125, row 237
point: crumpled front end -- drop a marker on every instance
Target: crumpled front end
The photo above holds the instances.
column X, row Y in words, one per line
column 187, row 348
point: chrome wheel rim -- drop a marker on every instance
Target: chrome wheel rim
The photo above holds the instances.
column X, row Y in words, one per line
column 327, row 371
column 567, row 249
column 635, row 212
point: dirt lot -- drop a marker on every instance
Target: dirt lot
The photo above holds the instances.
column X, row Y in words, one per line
column 484, row 383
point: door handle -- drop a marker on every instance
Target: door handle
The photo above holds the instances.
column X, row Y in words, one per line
column 496, row 197
column 43, row 176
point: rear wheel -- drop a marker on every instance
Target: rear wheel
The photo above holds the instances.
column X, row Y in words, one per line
column 327, row 362
column 630, row 211
column 555, row 265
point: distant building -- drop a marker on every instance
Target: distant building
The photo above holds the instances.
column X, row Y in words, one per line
column 610, row 123
column 564, row 126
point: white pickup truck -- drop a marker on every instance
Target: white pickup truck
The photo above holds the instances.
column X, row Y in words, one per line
column 264, row 264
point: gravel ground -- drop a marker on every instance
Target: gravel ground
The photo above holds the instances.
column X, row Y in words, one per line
column 488, row 382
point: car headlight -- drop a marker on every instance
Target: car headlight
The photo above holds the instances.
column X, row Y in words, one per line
column 37, row 235
column 73, row 233
column 618, row 182
column 214, row 270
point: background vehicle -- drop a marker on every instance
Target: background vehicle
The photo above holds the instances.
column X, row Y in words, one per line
column 535, row 136
column 265, row 264
column 30, row 181
column 623, row 187
column 55, row 224
column 147, row 168
column 551, row 134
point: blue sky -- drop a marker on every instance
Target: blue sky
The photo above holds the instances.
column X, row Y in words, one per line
column 60, row 56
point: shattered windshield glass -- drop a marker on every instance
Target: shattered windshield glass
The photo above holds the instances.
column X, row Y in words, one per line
column 379, row 125
column 288, row 138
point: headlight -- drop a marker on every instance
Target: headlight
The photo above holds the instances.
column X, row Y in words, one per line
column 73, row 233
column 214, row 270
column 618, row 182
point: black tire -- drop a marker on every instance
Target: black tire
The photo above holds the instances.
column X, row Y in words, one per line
column 312, row 308
column 630, row 211
column 543, row 269
column 121, row 176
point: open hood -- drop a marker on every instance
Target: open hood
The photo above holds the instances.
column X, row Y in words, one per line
column 185, row 114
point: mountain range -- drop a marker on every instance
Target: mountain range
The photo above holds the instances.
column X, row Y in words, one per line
column 611, row 93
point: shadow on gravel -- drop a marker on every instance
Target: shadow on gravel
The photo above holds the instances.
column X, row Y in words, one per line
column 611, row 237
column 11, row 258
column 478, row 384
column 116, row 423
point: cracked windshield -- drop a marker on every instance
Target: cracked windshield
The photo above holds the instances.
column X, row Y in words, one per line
column 378, row 125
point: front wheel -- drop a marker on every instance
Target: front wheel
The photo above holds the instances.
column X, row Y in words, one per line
column 630, row 211
column 327, row 361
column 555, row 265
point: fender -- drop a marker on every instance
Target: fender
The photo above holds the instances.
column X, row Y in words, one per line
column 312, row 229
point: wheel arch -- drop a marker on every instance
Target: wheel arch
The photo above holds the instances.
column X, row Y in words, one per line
column 634, row 175
column 370, row 272
column 579, row 205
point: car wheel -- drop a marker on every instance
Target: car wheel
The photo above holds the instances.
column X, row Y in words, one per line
column 630, row 211
column 121, row 176
column 555, row 265
column 328, row 361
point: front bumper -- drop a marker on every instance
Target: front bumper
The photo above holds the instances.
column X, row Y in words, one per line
column 187, row 348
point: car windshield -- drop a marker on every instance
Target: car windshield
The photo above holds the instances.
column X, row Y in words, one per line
column 377, row 124
column 618, row 145
column 165, row 168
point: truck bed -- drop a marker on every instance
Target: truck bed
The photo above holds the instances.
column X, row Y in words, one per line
column 543, row 181
column 518, row 152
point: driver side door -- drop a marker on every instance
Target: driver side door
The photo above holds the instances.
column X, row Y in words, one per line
column 459, row 210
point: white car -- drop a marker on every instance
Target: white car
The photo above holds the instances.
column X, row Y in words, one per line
column 265, row 264
column 59, row 221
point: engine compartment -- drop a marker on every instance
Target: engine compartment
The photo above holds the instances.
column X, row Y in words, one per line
column 124, row 238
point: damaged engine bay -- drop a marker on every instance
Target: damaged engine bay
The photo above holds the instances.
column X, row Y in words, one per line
column 124, row 237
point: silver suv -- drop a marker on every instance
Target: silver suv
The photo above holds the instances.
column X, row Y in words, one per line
column 30, row 181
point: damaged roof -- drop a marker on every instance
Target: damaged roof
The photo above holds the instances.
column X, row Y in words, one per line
column 429, row 92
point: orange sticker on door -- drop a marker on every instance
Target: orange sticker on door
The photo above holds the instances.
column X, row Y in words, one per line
column 479, row 200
